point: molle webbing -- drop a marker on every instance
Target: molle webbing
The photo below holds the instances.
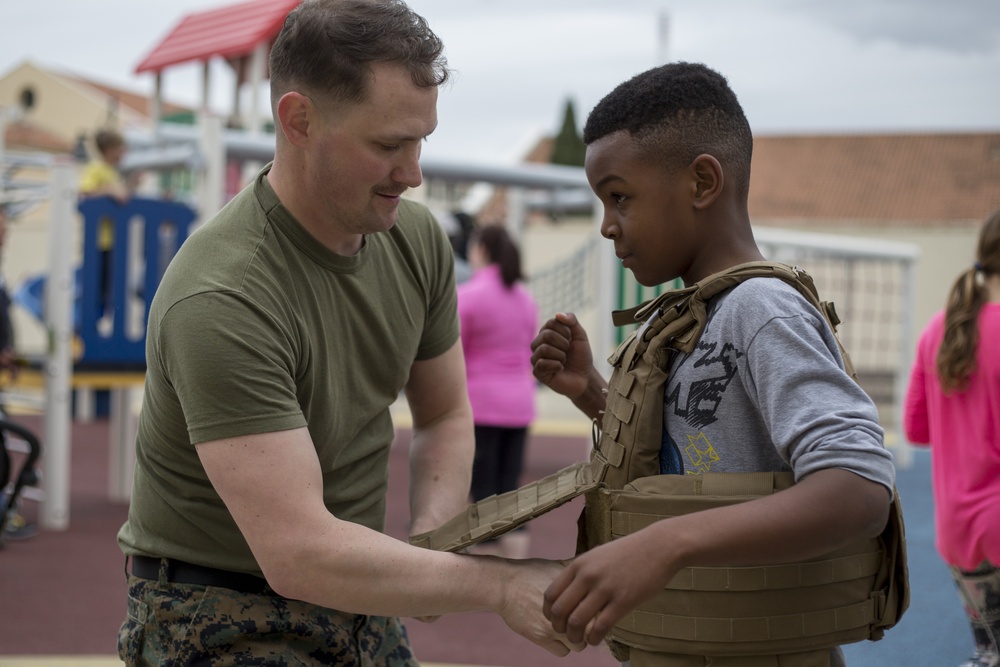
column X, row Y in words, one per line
column 496, row 515
column 759, row 610
column 640, row 658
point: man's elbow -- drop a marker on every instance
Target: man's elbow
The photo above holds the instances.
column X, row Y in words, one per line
column 287, row 572
column 285, row 579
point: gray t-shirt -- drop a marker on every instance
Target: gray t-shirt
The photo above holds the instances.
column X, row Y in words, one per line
column 765, row 390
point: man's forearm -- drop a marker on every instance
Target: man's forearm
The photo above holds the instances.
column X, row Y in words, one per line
column 348, row 567
column 354, row 569
column 440, row 471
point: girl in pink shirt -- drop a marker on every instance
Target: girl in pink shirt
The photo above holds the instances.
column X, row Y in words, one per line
column 953, row 404
column 499, row 319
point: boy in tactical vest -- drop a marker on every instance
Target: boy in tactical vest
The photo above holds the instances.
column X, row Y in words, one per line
column 764, row 389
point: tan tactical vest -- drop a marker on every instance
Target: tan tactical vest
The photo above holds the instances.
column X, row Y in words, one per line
column 770, row 616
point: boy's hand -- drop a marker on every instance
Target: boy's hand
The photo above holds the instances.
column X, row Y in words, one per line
column 561, row 357
column 522, row 608
column 602, row 585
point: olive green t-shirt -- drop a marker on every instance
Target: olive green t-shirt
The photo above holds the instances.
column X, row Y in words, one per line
column 257, row 327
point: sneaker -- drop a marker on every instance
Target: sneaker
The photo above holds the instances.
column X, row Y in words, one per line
column 18, row 529
column 980, row 659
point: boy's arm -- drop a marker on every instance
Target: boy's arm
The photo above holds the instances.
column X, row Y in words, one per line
column 823, row 512
column 561, row 360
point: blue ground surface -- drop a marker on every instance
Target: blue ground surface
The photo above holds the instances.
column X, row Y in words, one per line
column 933, row 632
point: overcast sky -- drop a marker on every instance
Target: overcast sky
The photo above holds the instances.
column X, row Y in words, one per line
column 797, row 65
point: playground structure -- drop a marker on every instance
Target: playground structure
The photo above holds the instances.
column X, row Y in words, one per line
column 93, row 345
column 147, row 233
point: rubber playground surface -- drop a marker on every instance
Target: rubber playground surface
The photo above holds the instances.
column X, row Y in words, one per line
column 62, row 593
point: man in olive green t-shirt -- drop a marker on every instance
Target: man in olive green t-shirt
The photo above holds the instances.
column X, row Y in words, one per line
column 279, row 337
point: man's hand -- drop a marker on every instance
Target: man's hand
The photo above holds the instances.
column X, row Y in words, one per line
column 522, row 609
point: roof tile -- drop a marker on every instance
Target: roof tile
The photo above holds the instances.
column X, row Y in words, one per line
column 903, row 177
column 227, row 32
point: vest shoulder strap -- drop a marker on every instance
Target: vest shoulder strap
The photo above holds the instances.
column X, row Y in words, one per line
column 685, row 310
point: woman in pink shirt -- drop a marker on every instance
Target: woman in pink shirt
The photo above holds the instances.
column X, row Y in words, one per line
column 499, row 319
column 953, row 404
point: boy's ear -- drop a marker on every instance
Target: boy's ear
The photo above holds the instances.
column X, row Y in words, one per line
column 295, row 112
column 708, row 179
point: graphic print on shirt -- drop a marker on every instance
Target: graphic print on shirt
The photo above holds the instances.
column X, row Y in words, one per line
column 696, row 403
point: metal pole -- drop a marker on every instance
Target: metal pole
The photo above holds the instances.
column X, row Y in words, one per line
column 258, row 70
column 156, row 112
column 7, row 115
column 59, row 361
column 212, row 181
column 237, row 115
column 517, row 212
column 607, row 286
column 3, row 150
column 904, row 450
column 206, row 86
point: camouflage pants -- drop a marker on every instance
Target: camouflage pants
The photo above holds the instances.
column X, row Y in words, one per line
column 980, row 593
column 186, row 624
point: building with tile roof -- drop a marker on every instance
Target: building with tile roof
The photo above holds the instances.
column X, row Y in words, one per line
column 876, row 180
column 930, row 189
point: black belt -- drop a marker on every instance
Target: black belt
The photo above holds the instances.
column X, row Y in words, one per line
column 179, row 572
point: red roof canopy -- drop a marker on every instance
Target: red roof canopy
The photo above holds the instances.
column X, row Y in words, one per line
column 227, row 32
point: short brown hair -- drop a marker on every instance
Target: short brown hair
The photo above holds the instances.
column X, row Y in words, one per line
column 327, row 47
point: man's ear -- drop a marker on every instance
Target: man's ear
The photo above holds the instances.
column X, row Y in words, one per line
column 295, row 112
column 708, row 179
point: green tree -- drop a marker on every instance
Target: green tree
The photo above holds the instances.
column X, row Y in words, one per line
column 568, row 148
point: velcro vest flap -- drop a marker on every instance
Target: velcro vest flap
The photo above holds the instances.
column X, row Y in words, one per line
column 837, row 598
column 751, row 630
column 496, row 515
column 717, row 484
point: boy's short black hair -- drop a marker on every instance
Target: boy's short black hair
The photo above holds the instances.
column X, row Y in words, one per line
column 677, row 112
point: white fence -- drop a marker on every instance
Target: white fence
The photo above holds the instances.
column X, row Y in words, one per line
column 871, row 282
